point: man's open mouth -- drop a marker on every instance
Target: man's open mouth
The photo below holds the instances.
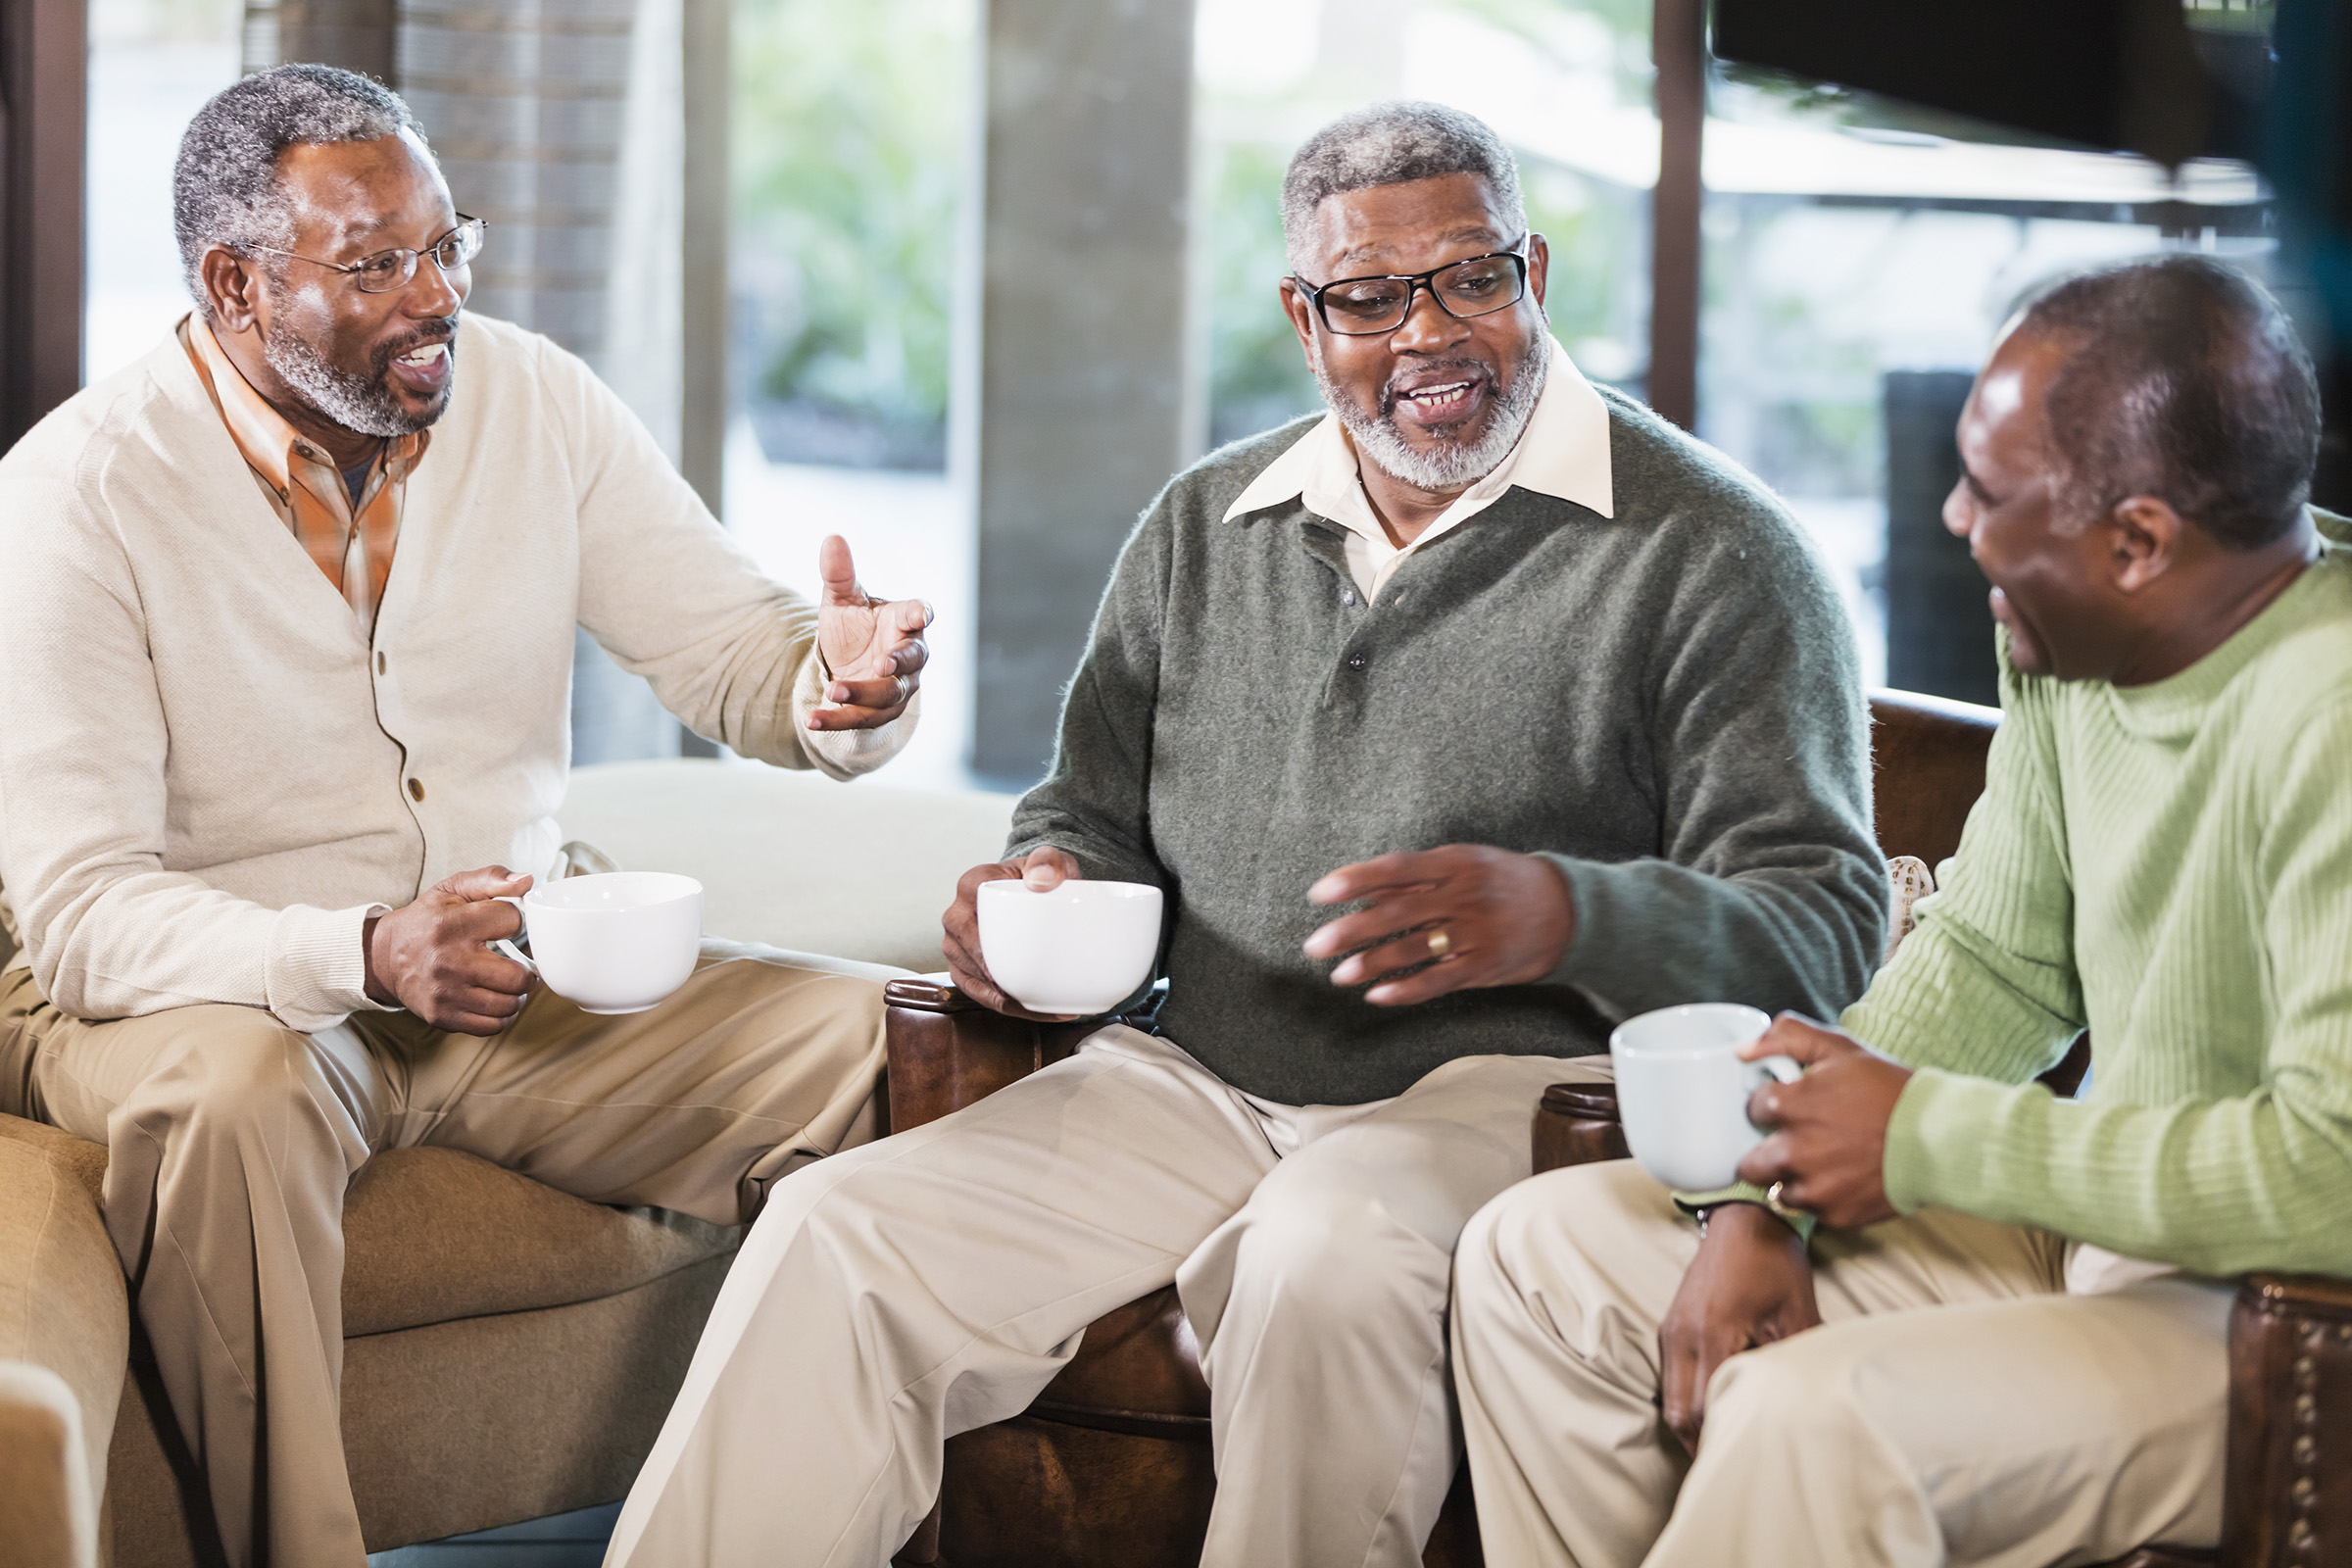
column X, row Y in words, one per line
column 423, row 368
column 1443, row 399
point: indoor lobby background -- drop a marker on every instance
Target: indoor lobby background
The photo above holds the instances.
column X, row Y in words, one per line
column 966, row 281
column 850, row 263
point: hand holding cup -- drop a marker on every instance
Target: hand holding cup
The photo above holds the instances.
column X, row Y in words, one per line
column 1044, row 869
column 1827, row 1142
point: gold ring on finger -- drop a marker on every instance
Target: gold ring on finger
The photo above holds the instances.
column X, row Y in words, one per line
column 905, row 685
column 1440, row 944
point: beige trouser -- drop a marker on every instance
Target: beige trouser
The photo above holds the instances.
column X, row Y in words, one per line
column 1956, row 1405
column 230, row 1140
column 937, row 1281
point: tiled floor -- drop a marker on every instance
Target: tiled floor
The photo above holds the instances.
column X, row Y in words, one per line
column 566, row 1541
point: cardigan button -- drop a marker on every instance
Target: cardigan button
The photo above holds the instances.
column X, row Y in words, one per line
column 380, row 664
column 1355, row 661
column 1346, row 596
column 416, row 789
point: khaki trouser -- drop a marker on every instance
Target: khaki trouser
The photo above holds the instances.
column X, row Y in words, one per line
column 230, row 1140
column 936, row 1282
column 1956, row 1405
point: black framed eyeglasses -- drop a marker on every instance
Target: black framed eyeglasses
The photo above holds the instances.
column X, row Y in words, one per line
column 1364, row 306
column 386, row 271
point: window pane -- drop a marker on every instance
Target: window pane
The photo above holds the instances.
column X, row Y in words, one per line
column 153, row 63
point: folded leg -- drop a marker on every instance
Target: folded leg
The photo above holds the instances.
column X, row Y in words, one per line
column 1559, row 1288
column 1320, row 1309
column 894, row 1295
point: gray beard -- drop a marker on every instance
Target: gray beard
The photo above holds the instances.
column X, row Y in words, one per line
column 1451, row 464
column 356, row 403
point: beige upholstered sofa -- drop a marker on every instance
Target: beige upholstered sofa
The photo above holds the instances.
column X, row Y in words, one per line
column 510, row 1350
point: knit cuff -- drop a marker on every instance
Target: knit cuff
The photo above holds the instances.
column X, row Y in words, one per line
column 1936, row 1139
column 845, row 754
column 1623, row 943
column 316, row 974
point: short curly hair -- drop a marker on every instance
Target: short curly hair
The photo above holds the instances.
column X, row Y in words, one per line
column 2183, row 380
column 1387, row 144
column 225, row 185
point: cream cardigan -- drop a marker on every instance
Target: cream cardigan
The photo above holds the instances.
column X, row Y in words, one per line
column 208, row 780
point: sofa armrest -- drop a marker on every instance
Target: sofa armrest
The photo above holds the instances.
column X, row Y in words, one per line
column 65, row 1342
column 2290, row 1496
column 1576, row 1124
column 947, row 1052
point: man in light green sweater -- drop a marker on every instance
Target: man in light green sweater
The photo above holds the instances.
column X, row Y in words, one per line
column 2007, row 1339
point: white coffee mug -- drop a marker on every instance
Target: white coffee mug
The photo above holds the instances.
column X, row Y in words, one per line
column 1081, row 949
column 1682, row 1090
column 615, row 942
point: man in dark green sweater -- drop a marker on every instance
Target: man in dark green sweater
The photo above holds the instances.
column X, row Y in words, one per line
column 1550, row 699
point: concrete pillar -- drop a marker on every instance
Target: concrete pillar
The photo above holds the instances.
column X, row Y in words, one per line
column 1080, row 384
column 356, row 34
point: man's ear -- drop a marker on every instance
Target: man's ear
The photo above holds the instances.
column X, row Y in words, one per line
column 1539, row 266
column 1302, row 312
column 2143, row 541
column 232, row 287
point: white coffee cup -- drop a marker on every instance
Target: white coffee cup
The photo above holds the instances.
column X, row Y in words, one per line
column 615, row 942
column 1682, row 1090
column 1081, row 949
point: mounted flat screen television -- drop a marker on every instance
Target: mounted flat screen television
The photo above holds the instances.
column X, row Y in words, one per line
column 2136, row 74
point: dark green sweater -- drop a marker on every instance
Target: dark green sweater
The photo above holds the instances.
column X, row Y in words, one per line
column 1666, row 703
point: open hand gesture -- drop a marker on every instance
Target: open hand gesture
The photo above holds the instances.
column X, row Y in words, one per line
column 874, row 647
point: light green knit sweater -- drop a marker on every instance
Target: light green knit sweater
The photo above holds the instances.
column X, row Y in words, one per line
column 2170, row 866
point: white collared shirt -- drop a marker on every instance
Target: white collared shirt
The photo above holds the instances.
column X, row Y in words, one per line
column 1563, row 452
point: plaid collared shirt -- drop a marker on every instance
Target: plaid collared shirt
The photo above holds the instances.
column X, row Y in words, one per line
column 352, row 544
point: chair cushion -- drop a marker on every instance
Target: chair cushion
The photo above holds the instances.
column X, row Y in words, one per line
column 431, row 1235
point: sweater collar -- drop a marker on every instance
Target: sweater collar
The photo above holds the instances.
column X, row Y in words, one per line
column 2173, row 709
column 1565, row 453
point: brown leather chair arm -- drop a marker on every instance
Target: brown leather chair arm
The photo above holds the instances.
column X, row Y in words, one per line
column 2289, row 1498
column 947, row 1052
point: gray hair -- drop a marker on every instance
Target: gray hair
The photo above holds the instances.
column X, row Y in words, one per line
column 2183, row 380
column 224, row 185
column 1387, row 144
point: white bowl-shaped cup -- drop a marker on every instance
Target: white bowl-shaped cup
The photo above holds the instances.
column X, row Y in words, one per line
column 1081, row 949
column 617, row 941
column 1682, row 1090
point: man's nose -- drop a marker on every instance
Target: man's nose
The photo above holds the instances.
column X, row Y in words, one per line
column 1427, row 329
column 433, row 292
column 1956, row 518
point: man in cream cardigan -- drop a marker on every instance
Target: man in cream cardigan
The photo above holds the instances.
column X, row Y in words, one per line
column 287, row 647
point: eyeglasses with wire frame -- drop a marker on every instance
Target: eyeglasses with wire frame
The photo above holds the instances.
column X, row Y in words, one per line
column 1364, row 306
column 386, row 271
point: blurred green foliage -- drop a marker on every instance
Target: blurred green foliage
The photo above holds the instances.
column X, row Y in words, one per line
column 849, row 124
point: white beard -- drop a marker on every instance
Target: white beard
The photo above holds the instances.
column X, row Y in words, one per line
column 354, row 402
column 1449, row 464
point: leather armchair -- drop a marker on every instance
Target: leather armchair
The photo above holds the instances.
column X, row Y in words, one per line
column 1110, row 1467
column 2290, row 1494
